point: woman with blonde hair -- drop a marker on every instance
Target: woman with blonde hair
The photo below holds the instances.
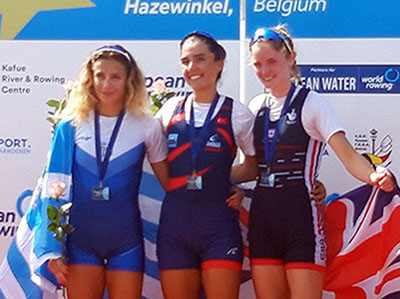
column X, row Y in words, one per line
column 286, row 236
column 112, row 132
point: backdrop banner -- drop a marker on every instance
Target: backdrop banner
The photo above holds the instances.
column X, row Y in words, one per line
column 347, row 50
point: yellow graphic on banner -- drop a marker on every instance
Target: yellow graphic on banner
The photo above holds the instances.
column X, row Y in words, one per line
column 17, row 13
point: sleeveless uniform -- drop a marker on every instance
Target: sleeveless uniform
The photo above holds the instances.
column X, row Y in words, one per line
column 197, row 228
column 286, row 227
column 109, row 232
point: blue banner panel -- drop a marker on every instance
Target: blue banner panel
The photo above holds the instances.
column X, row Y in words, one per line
column 118, row 19
column 327, row 18
column 351, row 78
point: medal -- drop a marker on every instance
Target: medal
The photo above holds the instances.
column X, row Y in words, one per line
column 103, row 192
column 194, row 182
column 267, row 180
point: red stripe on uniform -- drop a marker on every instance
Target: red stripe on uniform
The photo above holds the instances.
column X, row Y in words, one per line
column 221, row 264
column 178, row 151
column 226, row 107
column 305, row 266
column 313, row 155
column 228, row 139
column 265, row 262
column 212, row 149
column 178, row 182
column 246, row 251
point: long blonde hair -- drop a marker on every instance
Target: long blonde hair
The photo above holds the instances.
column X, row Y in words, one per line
column 82, row 98
column 284, row 45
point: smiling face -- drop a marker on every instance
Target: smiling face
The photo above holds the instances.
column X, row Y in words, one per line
column 272, row 67
column 109, row 84
column 199, row 66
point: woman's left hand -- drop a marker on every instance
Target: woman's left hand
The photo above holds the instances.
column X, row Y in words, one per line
column 318, row 193
column 383, row 179
column 235, row 200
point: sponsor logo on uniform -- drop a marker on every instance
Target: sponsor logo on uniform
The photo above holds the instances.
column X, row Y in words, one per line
column 214, row 141
column 291, row 117
column 232, row 251
column 221, row 121
column 173, row 140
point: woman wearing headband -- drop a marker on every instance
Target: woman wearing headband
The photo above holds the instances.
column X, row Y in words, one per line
column 286, row 237
column 199, row 239
column 112, row 133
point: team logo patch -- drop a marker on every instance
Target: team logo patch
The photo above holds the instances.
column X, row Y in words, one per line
column 271, row 133
column 291, row 117
column 221, row 121
column 177, row 118
column 173, row 140
column 232, row 251
column 214, row 141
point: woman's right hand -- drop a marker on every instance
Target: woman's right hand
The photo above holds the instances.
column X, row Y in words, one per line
column 59, row 270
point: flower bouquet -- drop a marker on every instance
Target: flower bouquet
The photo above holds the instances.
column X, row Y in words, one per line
column 159, row 94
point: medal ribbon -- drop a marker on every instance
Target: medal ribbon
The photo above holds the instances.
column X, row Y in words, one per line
column 271, row 143
column 197, row 143
column 103, row 165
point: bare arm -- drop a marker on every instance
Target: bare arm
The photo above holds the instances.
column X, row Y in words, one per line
column 357, row 166
column 162, row 173
column 246, row 171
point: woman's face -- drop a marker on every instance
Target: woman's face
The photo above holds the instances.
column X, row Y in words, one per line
column 272, row 67
column 109, row 83
column 199, row 66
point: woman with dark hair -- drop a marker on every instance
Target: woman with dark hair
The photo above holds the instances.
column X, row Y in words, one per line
column 199, row 239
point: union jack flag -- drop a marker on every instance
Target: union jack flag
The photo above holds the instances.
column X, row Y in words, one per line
column 363, row 245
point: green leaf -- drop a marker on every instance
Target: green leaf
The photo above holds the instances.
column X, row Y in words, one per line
column 154, row 109
column 52, row 227
column 169, row 94
column 63, row 104
column 68, row 228
column 49, row 119
column 59, row 234
column 53, row 103
column 52, row 213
